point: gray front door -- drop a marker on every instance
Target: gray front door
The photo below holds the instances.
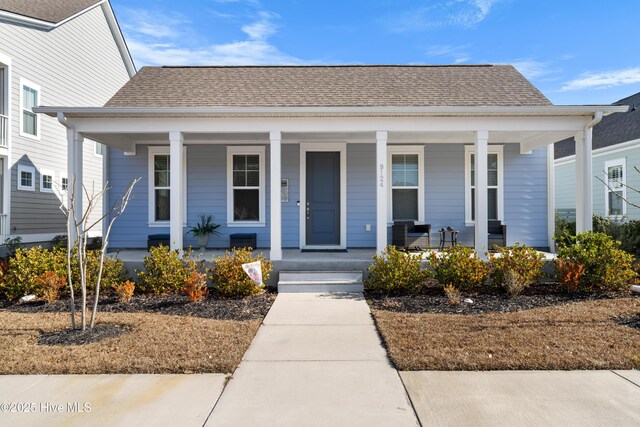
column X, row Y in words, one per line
column 323, row 198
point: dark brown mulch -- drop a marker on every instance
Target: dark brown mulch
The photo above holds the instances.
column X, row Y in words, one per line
column 632, row 322
column 100, row 332
column 254, row 307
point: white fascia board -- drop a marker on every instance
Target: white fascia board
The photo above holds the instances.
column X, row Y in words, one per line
column 39, row 23
column 119, row 39
column 600, row 151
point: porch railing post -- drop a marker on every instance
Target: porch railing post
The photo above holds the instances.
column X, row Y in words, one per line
column 176, row 154
column 584, row 186
column 481, row 205
column 275, row 152
column 381, row 191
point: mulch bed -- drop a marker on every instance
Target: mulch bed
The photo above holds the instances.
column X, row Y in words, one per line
column 100, row 332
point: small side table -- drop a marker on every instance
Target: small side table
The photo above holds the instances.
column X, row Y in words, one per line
column 453, row 236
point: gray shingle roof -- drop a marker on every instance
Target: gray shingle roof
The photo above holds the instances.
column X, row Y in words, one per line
column 613, row 129
column 355, row 85
column 52, row 11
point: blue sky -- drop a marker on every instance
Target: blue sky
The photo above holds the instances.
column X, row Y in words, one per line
column 575, row 51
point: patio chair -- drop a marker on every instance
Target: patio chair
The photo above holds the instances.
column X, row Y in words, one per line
column 409, row 235
column 497, row 234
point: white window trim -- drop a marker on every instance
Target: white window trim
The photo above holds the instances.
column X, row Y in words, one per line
column 44, row 172
column 24, row 82
column 492, row 149
column 153, row 150
column 609, row 163
column 247, row 150
column 95, row 149
column 406, row 149
column 32, row 170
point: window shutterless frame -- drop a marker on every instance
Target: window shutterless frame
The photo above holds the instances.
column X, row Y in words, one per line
column 26, row 178
column 47, row 181
column 164, row 150
column 406, row 150
column 615, row 175
column 492, row 149
column 261, row 187
column 30, row 93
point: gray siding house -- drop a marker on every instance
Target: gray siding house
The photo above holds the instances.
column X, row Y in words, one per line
column 328, row 157
column 53, row 53
column 616, row 155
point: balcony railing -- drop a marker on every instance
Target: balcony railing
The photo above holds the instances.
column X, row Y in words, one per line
column 4, row 130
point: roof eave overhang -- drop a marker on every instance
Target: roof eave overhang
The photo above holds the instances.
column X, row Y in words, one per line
column 310, row 111
column 39, row 23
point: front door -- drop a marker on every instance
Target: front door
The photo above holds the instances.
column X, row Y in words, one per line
column 323, row 199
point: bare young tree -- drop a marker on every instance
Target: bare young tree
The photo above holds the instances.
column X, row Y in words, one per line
column 79, row 226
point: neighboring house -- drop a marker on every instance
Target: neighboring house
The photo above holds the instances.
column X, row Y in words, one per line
column 327, row 157
column 55, row 53
column 616, row 154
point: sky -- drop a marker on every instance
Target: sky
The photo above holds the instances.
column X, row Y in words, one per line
column 574, row 51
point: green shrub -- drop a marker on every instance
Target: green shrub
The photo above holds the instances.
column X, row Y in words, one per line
column 515, row 268
column 604, row 266
column 165, row 272
column 113, row 272
column 24, row 268
column 396, row 272
column 565, row 232
column 230, row 278
column 459, row 266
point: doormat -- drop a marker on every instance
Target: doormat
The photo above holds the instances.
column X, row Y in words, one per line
column 325, row 250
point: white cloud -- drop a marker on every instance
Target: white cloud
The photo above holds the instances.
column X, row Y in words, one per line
column 262, row 28
column 448, row 13
column 144, row 23
column 533, row 69
column 604, row 79
column 458, row 54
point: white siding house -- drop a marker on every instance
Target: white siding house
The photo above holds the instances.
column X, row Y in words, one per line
column 51, row 53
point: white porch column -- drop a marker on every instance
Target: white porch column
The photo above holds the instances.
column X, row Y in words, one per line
column 275, row 152
column 74, row 176
column 584, row 185
column 381, row 191
column 481, row 205
column 176, row 154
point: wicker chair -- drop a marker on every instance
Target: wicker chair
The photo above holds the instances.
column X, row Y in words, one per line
column 408, row 235
column 497, row 234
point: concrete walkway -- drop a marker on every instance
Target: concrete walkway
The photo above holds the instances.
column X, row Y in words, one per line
column 316, row 361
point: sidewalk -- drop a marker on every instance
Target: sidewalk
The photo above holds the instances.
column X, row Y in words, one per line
column 316, row 361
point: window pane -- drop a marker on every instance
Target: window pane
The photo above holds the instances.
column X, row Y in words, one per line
column 47, row 182
column 492, row 178
column 492, row 203
column 65, row 183
column 162, row 179
column 253, row 178
column 26, row 179
column 615, row 203
column 99, row 149
column 29, row 123
column 246, row 205
column 473, row 170
column 239, row 178
column 163, row 205
column 404, row 170
column 239, row 163
column 473, row 204
column 615, row 177
column 161, row 162
column 253, row 163
column 405, row 204
column 29, row 98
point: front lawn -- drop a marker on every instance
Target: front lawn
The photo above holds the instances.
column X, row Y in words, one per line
column 151, row 334
column 427, row 333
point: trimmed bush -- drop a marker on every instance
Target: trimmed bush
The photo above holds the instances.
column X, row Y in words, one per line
column 50, row 284
column 461, row 267
column 597, row 263
column 515, row 268
column 453, row 294
column 196, row 286
column 124, row 291
column 26, row 266
column 165, row 272
column 230, row 278
column 396, row 272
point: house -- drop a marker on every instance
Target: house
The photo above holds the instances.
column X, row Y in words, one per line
column 327, row 157
column 616, row 154
column 53, row 53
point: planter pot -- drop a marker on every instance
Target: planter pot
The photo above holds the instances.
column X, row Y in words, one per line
column 203, row 240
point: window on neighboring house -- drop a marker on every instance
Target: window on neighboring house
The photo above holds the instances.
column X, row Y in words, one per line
column 46, row 181
column 494, row 183
column 26, row 178
column 246, row 193
column 30, row 120
column 64, row 183
column 99, row 149
column 615, row 190
column 405, row 186
column 160, row 185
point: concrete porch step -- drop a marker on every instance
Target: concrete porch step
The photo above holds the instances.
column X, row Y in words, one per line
column 320, row 281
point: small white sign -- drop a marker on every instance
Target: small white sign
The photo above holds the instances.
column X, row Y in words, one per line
column 254, row 271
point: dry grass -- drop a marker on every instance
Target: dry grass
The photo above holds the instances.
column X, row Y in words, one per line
column 157, row 343
column 582, row 335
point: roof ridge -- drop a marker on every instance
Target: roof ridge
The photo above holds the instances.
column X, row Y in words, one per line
column 338, row 66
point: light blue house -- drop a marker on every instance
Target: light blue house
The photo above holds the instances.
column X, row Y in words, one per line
column 328, row 157
column 616, row 155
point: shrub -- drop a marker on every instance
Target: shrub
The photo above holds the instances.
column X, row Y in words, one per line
column 453, row 294
column 515, row 268
column 113, row 272
column 231, row 279
column 26, row 266
column 12, row 244
column 49, row 285
column 196, row 286
column 124, row 291
column 565, row 232
column 605, row 267
column 570, row 273
column 459, row 266
column 396, row 272
column 165, row 272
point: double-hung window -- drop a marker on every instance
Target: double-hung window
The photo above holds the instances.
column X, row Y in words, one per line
column 46, row 181
column 407, row 183
column 160, row 186
column 494, row 183
column 29, row 98
column 245, row 185
column 615, row 190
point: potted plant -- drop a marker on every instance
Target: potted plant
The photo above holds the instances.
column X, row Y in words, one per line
column 204, row 229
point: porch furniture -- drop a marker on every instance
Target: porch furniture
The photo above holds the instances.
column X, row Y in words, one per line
column 497, row 234
column 242, row 240
column 157, row 239
column 453, row 236
column 407, row 235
